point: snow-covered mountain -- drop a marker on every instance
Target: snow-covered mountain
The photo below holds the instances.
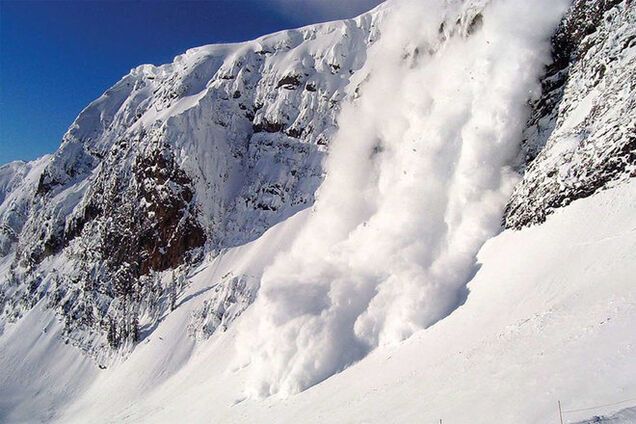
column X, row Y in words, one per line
column 254, row 218
column 172, row 163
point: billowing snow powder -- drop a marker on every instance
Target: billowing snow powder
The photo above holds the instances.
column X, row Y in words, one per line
column 417, row 179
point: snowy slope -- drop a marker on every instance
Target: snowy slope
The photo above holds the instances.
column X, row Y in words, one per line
column 347, row 179
column 549, row 317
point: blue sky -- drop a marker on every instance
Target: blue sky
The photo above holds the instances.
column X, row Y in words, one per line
column 57, row 56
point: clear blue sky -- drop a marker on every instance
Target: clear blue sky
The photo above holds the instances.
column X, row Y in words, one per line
column 57, row 56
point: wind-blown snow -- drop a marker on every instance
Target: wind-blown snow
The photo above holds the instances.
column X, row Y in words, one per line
column 417, row 179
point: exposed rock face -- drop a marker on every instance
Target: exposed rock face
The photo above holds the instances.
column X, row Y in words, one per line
column 148, row 214
column 582, row 134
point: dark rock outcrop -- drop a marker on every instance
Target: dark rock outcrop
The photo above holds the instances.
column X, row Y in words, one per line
column 581, row 135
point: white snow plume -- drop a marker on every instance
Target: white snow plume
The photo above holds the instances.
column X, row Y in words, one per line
column 417, row 179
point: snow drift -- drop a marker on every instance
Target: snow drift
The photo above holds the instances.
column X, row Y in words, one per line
column 417, row 179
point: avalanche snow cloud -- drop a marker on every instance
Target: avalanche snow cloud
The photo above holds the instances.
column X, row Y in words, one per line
column 417, row 179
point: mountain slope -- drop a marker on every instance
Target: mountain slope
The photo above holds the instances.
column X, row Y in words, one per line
column 171, row 163
column 187, row 192
column 549, row 304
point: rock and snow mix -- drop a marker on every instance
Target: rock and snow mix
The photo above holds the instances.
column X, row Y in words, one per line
column 583, row 128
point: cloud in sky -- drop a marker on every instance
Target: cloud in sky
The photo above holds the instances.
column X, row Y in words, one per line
column 323, row 10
